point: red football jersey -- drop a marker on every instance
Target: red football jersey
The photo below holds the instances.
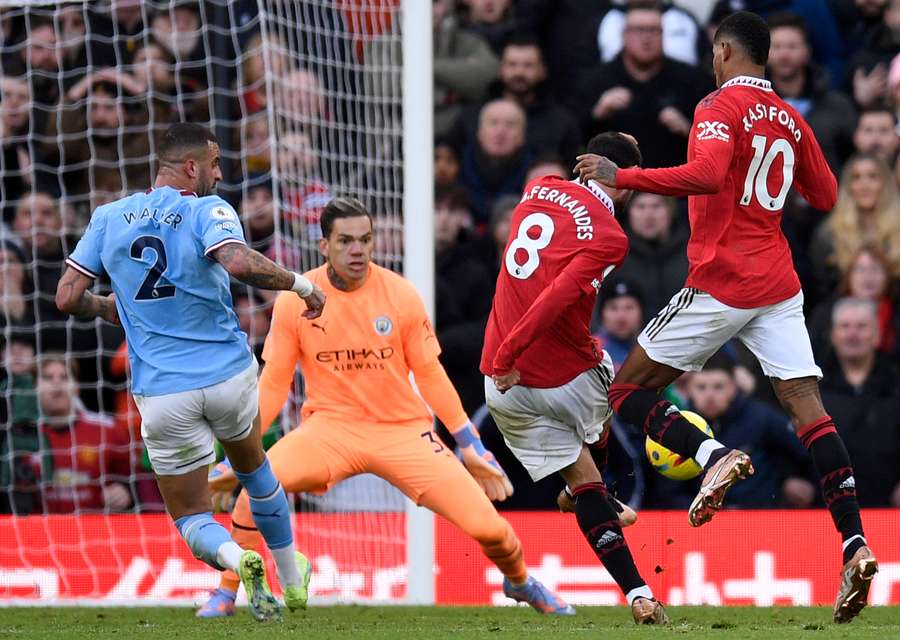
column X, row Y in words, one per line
column 563, row 240
column 87, row 454
column 746, row 148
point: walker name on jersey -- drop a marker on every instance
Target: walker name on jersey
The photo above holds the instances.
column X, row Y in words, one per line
column 356, row 359
column 584, row 227
column 773, row 114
column 164, row 217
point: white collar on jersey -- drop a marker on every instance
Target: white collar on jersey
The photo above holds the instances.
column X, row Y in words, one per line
column 749, row 81
column 598, row 192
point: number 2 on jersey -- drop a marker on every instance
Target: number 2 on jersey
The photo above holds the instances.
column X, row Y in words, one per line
column 757, row 178
column 149, row 289
column 531, row 246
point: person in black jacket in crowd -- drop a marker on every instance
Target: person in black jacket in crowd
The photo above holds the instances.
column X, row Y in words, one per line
column 860, row 391
column 463, row 294
column 550, row 128
column 807, row 87
column 657, row 255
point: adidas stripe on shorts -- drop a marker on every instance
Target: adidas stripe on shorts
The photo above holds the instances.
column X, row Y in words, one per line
column 694, row 325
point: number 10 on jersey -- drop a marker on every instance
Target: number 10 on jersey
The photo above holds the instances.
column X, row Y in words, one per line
column 756, row 182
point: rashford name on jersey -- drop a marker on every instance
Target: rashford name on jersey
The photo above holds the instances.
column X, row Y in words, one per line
column 773, row 114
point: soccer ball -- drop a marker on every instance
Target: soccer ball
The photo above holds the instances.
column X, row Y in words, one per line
column 672, row 465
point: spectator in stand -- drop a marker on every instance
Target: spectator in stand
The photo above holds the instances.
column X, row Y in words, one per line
column 494, row 163
column 683, row 38
column 153, row 70
column 304, row 193
column 876, row 133
column 549, row 127
column 493, row 20
column 567, row 30
column 38, row 64
column 857, row 19
column 15, row 288
column 177, row 28
column 91, row 458
column 859, row 390
column 252, row 138
column 463, row 295
column 620, row 317
column 867, row 278
column 38, row 227
column 103, row 129
column 21, row 442
column 257, row 55
column 642, row 92
column 827, row 46
column 781, row 463
column 299, row 98
column 806, row 87
column 117, row 30
column 15, row 112
column 253, row 314
column 657, row 255
column 446, row 163
column 865, row 214
column 866, row 73
column 547, row 164
column 71, row 42
column 463, row 66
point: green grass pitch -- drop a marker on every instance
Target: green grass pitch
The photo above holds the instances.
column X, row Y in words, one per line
column 459, row 623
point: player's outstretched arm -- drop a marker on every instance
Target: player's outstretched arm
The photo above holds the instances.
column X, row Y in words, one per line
column 253, row 268
column 73, row 297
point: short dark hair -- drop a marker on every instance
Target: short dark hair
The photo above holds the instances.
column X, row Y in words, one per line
column 342, row 207
column 750, row 31
column 879, row 109
column 617, row 147
column 524, row 39
column 788, row 20
column 720, row 362
column 643, row 5
column 454, row 196
column 182, row 139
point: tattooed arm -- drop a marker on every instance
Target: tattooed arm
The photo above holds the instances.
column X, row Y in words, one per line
column 253, row 268
column 73, row 297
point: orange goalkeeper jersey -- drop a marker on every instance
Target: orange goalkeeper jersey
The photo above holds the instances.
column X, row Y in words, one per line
column 357, row 356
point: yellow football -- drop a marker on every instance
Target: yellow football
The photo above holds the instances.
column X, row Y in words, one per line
column 672, row 465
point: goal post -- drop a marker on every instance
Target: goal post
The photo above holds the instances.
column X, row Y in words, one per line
column 418, row 242
column 310, row 99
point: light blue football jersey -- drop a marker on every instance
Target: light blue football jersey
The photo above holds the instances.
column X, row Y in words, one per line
column 173, row 298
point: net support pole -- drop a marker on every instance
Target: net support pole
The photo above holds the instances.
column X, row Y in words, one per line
column 418, row 241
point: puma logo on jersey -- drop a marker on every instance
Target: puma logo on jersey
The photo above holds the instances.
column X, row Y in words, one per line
column 713, row 130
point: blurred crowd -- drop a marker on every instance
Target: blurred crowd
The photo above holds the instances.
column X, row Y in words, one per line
column 519, row 87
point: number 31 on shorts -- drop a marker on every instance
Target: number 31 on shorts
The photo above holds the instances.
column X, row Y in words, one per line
column 531, row 246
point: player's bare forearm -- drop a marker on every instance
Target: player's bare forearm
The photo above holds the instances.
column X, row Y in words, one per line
column 72, row 297
column 253, row 268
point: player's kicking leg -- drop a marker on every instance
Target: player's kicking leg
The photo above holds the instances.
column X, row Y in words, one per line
column 599, row 522
column 692, row 327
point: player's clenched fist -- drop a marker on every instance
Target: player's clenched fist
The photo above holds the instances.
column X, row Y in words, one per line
column 315, row 303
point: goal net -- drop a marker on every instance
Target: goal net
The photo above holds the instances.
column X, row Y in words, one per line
column 305, row 98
